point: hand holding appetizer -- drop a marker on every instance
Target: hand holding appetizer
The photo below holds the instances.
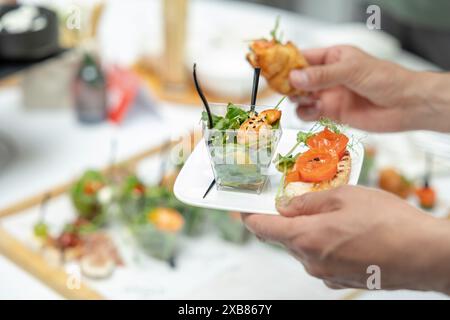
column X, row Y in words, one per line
column 336, row 234
column 352, row 87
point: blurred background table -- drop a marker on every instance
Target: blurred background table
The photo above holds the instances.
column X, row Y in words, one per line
column 50, row 147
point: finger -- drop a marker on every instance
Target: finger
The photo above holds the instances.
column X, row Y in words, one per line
column 315, row 56
column 319, row 77
column 303, row 99
column 309, row 203
column 271, row 227
column 333, row 285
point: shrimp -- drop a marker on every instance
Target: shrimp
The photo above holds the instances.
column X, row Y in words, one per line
column 257, row 129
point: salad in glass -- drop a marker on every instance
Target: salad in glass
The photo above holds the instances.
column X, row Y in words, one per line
column 241, row 144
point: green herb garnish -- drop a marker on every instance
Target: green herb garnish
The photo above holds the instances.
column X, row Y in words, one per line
column 284, row 163
column 279, row 102
column 41, row 230
column 232, row 120
column 331, row 125
column 276, row 36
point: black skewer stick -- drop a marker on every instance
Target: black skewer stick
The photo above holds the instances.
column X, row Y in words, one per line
column 209, row 188
column 202, row 96
column 208, row 111
column 172, row 262
column 255, row 89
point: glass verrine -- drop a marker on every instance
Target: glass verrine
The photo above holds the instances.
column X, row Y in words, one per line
column 240, row 158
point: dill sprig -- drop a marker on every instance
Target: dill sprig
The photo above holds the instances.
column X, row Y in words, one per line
column 274, row 33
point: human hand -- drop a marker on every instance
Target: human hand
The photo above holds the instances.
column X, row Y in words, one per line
column 337, row 234
column 352, row 87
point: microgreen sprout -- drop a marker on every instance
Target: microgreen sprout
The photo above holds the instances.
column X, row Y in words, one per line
column 279, row 102
column 276, row 36
column 331, row 125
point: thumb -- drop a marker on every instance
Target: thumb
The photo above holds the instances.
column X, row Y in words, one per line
column 318, row 77
column 309, row 203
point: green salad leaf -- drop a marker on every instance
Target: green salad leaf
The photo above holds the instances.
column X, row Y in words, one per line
column 302, row 137
column 234, row 117
column 215, row 118
column 284, row 163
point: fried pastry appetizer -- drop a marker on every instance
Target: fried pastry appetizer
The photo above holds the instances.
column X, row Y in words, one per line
column 276, row 61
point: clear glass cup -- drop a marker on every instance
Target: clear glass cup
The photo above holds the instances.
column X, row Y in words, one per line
column 240, row 161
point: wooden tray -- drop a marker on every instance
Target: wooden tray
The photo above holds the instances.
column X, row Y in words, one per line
column 27, row 259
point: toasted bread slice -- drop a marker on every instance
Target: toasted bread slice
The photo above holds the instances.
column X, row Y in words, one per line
column 342, row 176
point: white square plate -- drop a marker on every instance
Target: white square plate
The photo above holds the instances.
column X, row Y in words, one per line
column 196, row 175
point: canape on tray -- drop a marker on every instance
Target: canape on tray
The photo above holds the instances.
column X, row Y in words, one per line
column 86, row 196
column 326, row 163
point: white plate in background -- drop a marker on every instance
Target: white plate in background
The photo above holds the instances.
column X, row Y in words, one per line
column 375, row 42
column 196, row 175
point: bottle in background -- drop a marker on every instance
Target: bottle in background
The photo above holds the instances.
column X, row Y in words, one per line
column 90, row 91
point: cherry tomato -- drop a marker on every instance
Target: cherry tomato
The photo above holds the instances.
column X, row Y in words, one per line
column 92, row 187
column 427, row 197
column 329, row 140
column 317, row 165
column 166, row 219
column 139, row 189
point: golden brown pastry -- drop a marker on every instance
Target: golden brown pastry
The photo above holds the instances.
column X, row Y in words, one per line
column 276, row 61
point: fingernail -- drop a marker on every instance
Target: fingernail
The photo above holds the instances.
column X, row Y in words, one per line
column 299, row 78
column 282, row 202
